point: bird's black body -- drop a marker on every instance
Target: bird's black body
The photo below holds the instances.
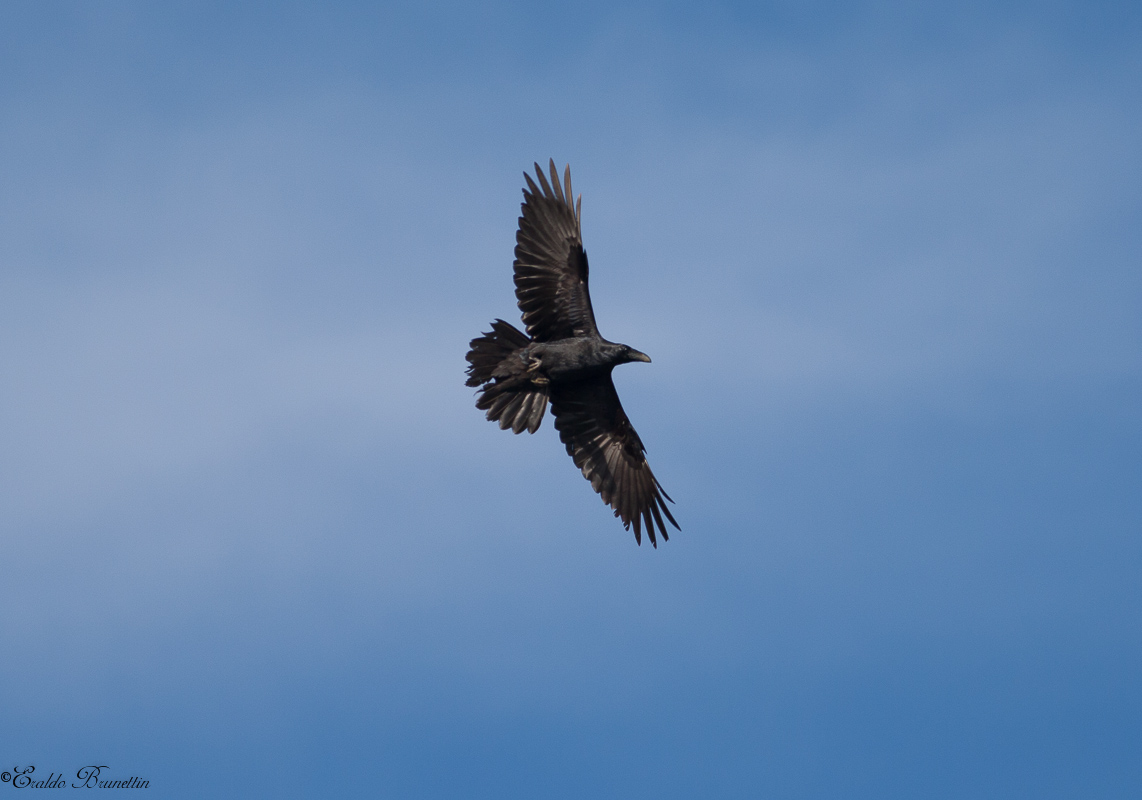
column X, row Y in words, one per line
column 562, row 359
column 579, row 358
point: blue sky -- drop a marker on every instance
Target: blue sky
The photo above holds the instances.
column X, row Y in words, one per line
column 257, row 541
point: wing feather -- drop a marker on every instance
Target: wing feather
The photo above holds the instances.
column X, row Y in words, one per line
column 550, row 263
column 600, row 439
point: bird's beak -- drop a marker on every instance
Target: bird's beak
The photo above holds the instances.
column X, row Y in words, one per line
column 637, row 356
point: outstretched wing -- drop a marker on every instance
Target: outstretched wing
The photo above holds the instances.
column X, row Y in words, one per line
column 599, row 437
column 550, row 263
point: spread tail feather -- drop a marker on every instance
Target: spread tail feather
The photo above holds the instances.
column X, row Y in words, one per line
column 489, row 350
column 509, row 397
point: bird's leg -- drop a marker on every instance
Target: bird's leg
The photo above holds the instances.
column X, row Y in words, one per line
column 533, row 366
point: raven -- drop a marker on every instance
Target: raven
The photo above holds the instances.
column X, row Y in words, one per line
column 563, row 359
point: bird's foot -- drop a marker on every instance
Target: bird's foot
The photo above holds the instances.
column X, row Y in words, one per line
column 538, row 378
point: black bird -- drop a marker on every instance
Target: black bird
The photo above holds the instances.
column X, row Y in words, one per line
column 562, row 358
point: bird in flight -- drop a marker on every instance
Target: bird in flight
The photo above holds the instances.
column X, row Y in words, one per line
column 562, row 359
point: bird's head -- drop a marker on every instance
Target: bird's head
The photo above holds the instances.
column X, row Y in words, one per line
column 630, row 354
